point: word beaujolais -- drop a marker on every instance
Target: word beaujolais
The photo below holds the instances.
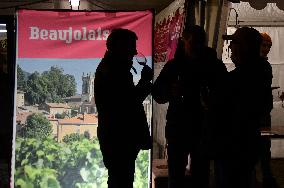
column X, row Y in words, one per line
column 68, row 35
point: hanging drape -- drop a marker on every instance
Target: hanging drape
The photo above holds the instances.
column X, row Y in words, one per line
column 167, row 31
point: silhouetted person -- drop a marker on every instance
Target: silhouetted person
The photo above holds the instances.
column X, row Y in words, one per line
column 268, row 181
column 265, row 45
column 246, row 97
column 181, row 83
column 122, row 123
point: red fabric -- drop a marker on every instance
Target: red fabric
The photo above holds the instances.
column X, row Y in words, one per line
column 166, row 37
column 46, row 34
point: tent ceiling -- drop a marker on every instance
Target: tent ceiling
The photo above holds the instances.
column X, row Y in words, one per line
column 158, row 5
column 136, row 4
column 270, row 15
column 261, row 4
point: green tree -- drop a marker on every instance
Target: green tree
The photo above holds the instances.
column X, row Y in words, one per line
column 38, row 126
column 36, row 90
column 21, row 79
column 74, row 112
column 50, row 86
column 141, row 169
column 61, row 116
column 72, row 137
column 60, row 85
column 87, row 135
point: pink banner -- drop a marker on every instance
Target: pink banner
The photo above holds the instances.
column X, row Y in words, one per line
column 47, row 34
column 166, row 37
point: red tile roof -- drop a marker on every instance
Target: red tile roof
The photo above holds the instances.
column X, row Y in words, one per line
column 80, row 119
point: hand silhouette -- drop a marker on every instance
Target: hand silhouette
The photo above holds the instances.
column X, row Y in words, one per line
column 147, row 73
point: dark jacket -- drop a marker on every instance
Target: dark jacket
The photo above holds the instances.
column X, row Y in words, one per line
column 246, row 98
column 121, row 117
column 268, row 76
column 197, row 76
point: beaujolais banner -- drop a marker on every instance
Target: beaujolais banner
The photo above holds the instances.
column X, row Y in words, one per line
column 55, row 123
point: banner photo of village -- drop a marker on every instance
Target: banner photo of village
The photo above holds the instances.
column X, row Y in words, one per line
column 56, row 143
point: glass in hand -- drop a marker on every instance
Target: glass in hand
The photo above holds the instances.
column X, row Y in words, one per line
column 141, row 59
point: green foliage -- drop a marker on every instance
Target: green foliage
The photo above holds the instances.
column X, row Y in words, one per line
column 76, row 137
column 31, row 177
column 21, row 79
column 36, row 89
column 141, row 169
column 50, row 86
column 74, row 112
column 78, row 164
column 61, row 85
column 93, row 173
column 35, row 162
column 38, row 126
column 87, row 135
column 61, row 116
column 72, row 137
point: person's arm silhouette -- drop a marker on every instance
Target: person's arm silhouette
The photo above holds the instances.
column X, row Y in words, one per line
column 143, row 88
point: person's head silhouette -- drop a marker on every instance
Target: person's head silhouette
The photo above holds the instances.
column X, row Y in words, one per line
column 265, row 45
column 194, row 39
column 245, row 45
column 121, row 45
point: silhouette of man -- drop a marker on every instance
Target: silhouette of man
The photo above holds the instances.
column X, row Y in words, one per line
column 181, row 83
column 246, row 89
column 268, row 180
column 122, row 123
